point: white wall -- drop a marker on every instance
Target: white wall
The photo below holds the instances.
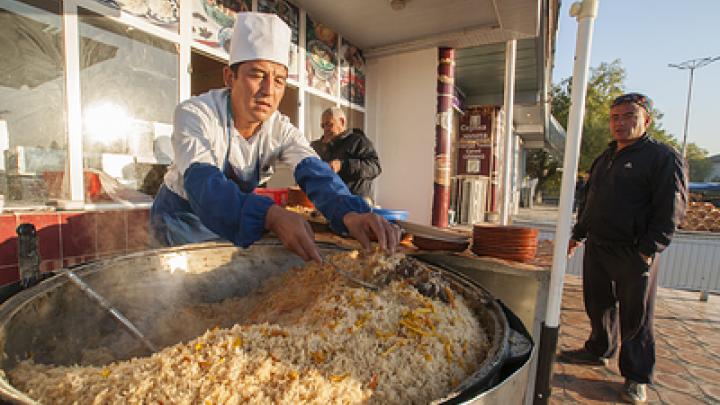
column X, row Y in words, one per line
column 402, row 100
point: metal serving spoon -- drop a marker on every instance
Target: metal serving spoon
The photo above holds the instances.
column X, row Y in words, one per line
column 105, row 304
column 356, row 280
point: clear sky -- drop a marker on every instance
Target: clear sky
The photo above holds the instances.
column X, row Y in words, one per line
column 646, row 35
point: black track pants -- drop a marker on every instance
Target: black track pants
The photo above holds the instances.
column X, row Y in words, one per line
column 616, row 276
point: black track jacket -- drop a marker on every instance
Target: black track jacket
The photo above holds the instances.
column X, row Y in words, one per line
column 360, row 162
column 636, row 196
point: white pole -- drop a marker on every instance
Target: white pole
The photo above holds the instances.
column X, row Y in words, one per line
column 585, row 12
column 687, row 113
column 74, row 170
column 586, row 18
column 510, row 55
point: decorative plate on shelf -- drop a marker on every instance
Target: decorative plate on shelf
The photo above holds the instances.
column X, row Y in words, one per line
column 136, row 7
column 163, row 11
column 322, row 58
column 222, row 15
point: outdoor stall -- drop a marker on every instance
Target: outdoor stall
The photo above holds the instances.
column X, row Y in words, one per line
column 86, row 113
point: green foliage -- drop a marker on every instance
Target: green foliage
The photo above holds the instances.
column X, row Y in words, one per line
column 605, row 83
column 699, row 164
column 540, row 165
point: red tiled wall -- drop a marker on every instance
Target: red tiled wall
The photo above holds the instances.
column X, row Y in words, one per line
column 111, row 233
column 137, row 229
column 70, row 238
column 79, row 237
column 8, row 250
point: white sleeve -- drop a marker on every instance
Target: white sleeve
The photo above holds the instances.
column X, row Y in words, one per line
column 192, row 141
column 295, row 146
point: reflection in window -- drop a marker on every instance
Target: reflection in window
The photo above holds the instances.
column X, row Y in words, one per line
column 129, row 82
column 32, row 103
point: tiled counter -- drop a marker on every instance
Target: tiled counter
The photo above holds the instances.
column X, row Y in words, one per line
column 67, row 238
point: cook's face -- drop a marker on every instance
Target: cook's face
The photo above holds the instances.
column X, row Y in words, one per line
column 628, row 122
column 256, row 89
column 332, row 126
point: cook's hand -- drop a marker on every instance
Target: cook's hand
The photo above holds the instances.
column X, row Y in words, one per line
column 365, row 227
column 572, row 246
column 294, row 232
column 335, row 165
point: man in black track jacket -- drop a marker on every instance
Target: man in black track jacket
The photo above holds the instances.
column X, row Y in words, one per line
column 348, row 152
column 634, row 200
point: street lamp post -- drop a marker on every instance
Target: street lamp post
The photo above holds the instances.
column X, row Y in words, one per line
column 691, row 65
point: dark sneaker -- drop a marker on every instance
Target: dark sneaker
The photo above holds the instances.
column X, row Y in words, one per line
column 581, row 356
column 634, row 392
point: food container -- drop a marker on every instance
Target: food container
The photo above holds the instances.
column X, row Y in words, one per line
column 279, row 195
column 56, row 323
column 391, row 215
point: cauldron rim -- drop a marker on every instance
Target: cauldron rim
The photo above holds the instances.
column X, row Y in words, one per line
column 478, row 382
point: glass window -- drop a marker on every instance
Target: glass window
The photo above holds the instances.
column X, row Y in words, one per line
column 129, row 87
column 164, row 13
column 32, row 102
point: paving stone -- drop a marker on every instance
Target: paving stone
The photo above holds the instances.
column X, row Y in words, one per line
column 687, row 348
column 675, row 382
column 712, row 391
column 652, row 394
column 670, row 366
column 705, row 375
column 662, row 351
column 679, row 398
column 697, row 358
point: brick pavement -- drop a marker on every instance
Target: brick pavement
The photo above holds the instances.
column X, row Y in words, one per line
column 687, row 347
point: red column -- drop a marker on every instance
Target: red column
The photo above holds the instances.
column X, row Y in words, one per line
column 443, row 122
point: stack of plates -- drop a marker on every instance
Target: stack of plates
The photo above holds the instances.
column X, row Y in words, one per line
column 425, row 242
column 431, row 238
column 505, row 242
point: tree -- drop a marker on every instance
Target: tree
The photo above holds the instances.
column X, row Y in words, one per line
column 699, row 164
column 541, row 165
column 605, row 84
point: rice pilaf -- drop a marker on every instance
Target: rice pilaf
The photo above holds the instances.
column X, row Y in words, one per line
column 312, row 337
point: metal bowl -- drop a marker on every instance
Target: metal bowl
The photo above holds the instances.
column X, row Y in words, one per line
column 55, row 323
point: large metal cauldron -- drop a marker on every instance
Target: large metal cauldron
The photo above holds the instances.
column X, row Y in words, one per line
column 57, row 324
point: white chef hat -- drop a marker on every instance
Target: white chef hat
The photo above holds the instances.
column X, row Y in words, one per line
column 260, row 36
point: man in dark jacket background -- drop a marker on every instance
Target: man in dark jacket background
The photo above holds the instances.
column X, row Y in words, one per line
column 348, row 152
column 635, row 198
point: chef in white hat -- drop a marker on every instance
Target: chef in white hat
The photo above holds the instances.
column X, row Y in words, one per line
column 227, row 141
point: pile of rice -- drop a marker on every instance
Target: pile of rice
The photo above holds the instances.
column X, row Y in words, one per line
column 311, row 336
